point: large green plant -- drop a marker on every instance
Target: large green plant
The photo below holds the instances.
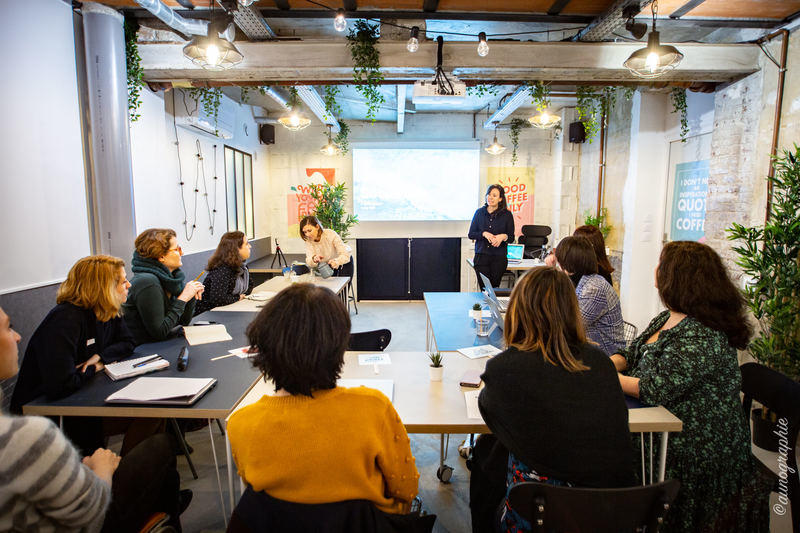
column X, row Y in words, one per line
column 600, row 221
column 769, row 256
column 330, row 208
column 361, row 40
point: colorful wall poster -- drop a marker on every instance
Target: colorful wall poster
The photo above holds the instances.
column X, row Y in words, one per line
column 689, row 201
column 299, row 201
column 518, row 185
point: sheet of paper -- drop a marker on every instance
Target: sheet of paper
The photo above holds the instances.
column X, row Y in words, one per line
column 386, row 386
column 205, row 334
column 471, row 398
column 374, row 359
column 149, row 389
column 243, row 352
column 261, row 296
column 476, row 352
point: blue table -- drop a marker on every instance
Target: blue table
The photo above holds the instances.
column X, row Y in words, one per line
column 449, row 326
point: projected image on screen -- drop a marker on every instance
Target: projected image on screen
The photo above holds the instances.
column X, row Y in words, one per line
column 415, row 183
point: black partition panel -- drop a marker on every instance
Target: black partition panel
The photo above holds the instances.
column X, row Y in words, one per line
column 402, row 269
column 382, row 269
column 435, row 266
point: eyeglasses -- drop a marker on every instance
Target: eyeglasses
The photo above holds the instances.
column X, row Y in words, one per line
column 178, row 249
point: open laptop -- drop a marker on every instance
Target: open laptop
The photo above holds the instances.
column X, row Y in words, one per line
column 514, row 252
column 501, row 302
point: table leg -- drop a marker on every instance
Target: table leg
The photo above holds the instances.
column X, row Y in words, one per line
column 229, row 454
column 651, row 457
column 641, row 443
column 662, row 460
column 427, row 330
column 216, row 469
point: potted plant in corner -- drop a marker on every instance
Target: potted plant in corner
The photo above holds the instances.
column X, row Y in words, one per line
column 436, row 369
column 477, row 311
column 770, row 258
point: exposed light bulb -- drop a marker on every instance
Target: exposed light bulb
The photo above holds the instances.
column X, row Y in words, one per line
column 545, row 117
column 651, row 63
column 483, row 46
column 340, row 22
column 212, row 54
column 413, row 43
column 247, row 3
column 495, row 148
column 294, row 120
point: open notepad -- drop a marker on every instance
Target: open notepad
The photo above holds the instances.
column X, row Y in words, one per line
column 163, row 391
column 127, row 368
column 205, row 334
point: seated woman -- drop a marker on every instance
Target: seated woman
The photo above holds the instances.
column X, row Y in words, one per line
column 74, row 341
column 45, row 486
column 597, row 300
column 314, row 442
column 159, row 298
column 552, row 399
column 686, row 361
column 323, row 246
column 595, row 237
column 228, row 279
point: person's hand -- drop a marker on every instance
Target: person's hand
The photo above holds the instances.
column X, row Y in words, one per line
column 242, row 296
column 316, row 258
column 92, row 361
column 193, row 289
column 550, row 260
column 333, row 263
column 103, row 463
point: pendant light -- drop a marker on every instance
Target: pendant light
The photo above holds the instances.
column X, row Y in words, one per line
column 339, row 21
column 495, row 148
column 656, row 58
column 483, row 46
column 330, row 148
column 544, row 120
column 211, row 51
column 413, row 42
column 294, row 120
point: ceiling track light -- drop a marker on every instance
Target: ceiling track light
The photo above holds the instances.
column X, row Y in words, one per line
column 413, row 42
column 483, row 46
column 636, row 29
column 339, row 21
column 331, row 148
column 495, row 148
column 656, row 59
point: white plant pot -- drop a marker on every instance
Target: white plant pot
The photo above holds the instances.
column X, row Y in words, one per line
column 436, row 372
column 476, row 314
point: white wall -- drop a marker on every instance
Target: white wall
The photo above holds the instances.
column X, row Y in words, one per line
column 43, row 212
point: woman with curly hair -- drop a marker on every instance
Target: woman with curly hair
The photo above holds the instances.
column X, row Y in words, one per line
column 686, row 361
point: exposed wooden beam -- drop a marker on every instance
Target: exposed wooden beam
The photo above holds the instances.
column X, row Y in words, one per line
column 520, row 96
column 425, row 15
column 685, row 8
column 350, row 5
column 320, row 62
column 401, row 108
column 430, row 6
column 282, row 4
column 557, row 7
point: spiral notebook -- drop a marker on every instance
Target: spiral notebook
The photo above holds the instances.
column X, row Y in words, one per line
column 128, row 368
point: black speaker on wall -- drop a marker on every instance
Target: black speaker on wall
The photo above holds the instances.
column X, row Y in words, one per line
column 266, row 133
column 577, row 133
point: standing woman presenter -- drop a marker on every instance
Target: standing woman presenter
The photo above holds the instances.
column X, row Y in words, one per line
column 492, row 229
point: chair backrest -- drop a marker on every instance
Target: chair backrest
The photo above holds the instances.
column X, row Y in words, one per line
column 368, row 341
column 533, row 230
column 534, row 238
column 629, row 332
column 578, row 510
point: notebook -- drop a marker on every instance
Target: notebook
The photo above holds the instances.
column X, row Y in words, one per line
column 514, row 252
column 163, row 391
column 205, row 334
column 127, row 368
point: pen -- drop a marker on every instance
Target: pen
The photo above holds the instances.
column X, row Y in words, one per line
column 148, row 360
column 198, row 276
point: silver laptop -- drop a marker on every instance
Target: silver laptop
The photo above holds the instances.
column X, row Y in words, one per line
column 490, row 295
column 514, row 252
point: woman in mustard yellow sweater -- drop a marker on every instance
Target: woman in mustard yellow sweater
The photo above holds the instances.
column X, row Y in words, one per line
column 314, row 442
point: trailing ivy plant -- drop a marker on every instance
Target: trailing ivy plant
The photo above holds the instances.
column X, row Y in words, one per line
column 332, row 109
column 341, row 139
column 133, row 67
column 361, row 40
column 492, row 89
column 247, row 89
column 627, row 92
column 587, row 110
column 600, row 221
column 540, row 95
column 210, row 98
column 517, row 125
column 330, row 208
column 770, row 256
column 678, row 98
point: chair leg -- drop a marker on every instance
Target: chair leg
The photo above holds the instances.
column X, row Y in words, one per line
column 221, row 429
column 182, row 443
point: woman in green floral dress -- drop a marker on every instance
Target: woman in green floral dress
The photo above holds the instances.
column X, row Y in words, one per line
column 686, row 361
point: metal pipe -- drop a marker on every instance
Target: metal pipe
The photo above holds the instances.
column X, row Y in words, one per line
column 174, row 20
column 776, row 129
column 601, row 180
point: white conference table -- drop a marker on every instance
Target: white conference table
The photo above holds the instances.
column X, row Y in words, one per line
column 274, row 285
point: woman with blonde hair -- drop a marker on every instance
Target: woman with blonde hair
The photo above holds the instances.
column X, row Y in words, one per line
column 552, row 398
column 228, row 279
column 159, row 299
column 81, row 334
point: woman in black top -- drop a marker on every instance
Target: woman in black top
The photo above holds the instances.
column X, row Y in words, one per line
column 492, row 228
column 552, row 399
column 228, row 279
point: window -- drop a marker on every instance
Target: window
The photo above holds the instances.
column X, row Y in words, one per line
column 239, row 191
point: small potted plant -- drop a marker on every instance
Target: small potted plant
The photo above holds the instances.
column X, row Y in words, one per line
column 436, row 368
column 476, row 312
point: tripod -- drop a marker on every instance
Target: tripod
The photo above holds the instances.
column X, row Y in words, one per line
column 279, row 256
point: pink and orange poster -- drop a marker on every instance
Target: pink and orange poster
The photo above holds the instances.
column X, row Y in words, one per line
column 299, row 201
column 518, row 185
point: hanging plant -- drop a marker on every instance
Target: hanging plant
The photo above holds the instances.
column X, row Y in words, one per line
column 361, row 41
column 480, row 91
column 332, row 109
column 517, row 125
column 587, row 110
column 627, row 93
column 210, row 98
column 678, row 98
column 133, row 67
column 341, row 137
column 540, row 95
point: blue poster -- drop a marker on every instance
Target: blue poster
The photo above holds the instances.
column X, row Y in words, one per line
column 689, row 201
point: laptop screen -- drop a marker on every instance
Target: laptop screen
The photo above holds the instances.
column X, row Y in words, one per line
column 514, row 252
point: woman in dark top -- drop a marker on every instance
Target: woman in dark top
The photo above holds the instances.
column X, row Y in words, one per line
column 686, row 361
column 75, row 340
column 159, row 298
column 595, row 237
column 228, row 279
column 552, row 398
column 492, row 228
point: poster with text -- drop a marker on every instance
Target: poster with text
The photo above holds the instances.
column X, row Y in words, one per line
column 518, row 185
column 689, row 201
column 299, row 201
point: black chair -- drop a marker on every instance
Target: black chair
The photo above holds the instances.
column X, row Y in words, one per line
column 534, row 238
column 582, row 510
column 370, row 341
column 629, row 332
column 780, row 395
column 259, row 512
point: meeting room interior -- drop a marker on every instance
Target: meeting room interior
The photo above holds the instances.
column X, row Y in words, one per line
column 440, row 167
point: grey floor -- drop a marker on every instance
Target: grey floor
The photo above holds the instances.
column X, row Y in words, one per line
column 450, row 502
